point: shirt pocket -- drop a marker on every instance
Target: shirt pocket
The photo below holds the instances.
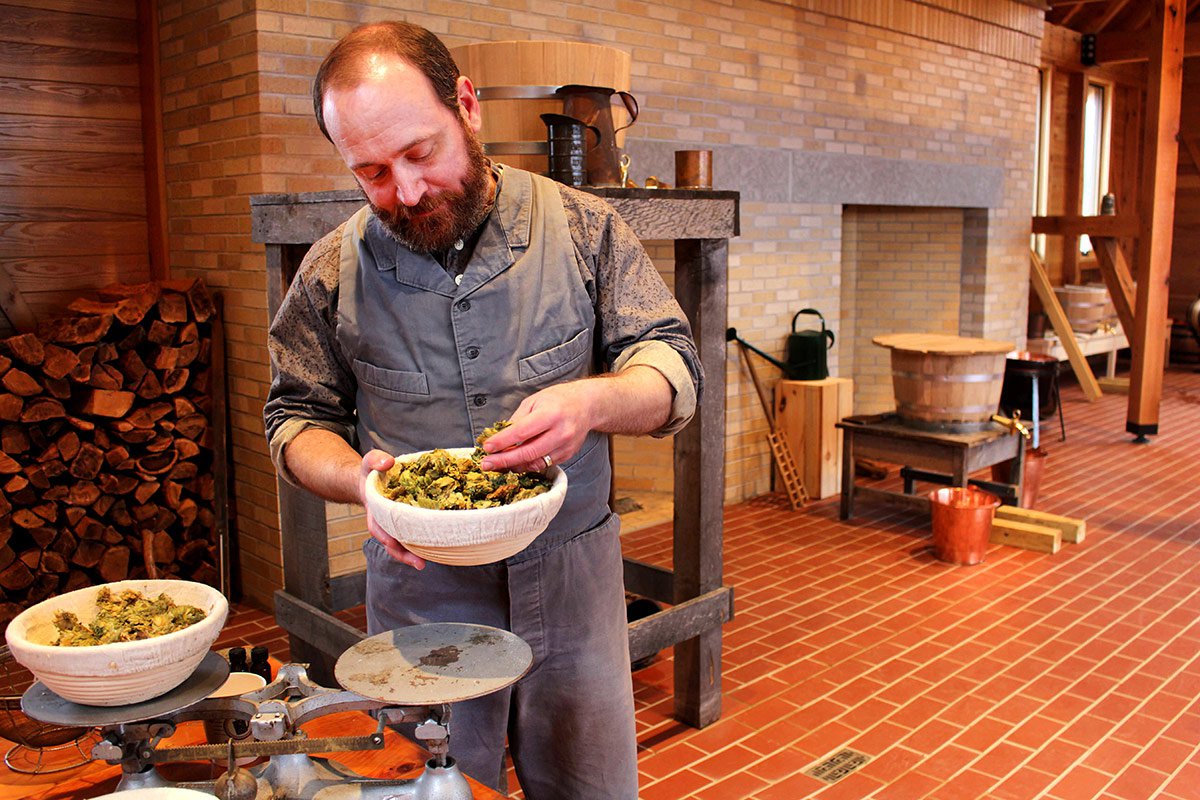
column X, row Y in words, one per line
column 394, row 384
column 556, row 361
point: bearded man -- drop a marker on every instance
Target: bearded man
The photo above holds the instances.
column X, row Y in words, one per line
column 468, row 292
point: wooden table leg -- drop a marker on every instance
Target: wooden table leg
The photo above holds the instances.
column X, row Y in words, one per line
column 847, row 503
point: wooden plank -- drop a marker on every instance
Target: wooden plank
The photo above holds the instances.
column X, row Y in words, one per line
column 1120, row 225
column 1025, row 535
column 72, row 273
column 35, row 239
column 63, row 168
column 152, row 138
column 67, row 28
column 56, row 203
column 1073, row 530
column 681, row 622
column 1066, row 336
column 62, row 99
column 71, row 64
column 122, row 9
column 46, row 133
column 1117, row 277
column 1115, row 385
column 1156, row 204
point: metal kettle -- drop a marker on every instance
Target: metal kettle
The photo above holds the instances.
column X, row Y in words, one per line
column 806, row 350
column 593, row 106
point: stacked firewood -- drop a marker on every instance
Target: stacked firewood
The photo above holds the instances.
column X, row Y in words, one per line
column 107, row 464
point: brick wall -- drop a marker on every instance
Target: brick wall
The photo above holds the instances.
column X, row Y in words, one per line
column 904, row 265
column 927, row 93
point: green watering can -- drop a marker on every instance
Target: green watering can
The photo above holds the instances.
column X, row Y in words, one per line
column 806, row 350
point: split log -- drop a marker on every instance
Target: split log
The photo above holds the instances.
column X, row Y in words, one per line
column 107, row 403
column 27, row 348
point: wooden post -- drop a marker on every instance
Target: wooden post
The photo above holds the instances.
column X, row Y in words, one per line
column 1157, row 211
column 700, row 287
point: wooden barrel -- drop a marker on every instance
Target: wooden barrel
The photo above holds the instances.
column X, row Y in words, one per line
column 1088, row 307
column 945, row 383
column 516, row 81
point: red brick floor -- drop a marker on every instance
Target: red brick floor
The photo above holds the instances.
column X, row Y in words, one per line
column 1066, row 676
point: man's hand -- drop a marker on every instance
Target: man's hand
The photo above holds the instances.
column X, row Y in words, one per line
column 379, row 461
column 552, row 422
column 555, row 421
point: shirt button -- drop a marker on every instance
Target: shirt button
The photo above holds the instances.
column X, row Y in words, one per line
column 458, row 280
column 464, row 305
column 472, row 352
column 458, row 245
column 480, row 400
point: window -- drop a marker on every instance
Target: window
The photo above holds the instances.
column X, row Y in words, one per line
column 1097, row 116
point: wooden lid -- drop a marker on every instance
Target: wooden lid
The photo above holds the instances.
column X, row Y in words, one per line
column 941, row 343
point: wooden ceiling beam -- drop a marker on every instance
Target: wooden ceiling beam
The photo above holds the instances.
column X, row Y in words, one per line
column 1119, row 47
column 1111, row 12
column 1156, row 208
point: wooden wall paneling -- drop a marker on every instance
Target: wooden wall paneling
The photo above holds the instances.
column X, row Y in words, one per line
column 67, row 65
column 1157, row 211
column 50, row 134
column 25, row 21
column 72, row 187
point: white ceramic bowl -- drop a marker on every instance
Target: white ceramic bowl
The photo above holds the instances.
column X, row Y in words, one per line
column 120, row 673
column 157, row 793
column 467, row 536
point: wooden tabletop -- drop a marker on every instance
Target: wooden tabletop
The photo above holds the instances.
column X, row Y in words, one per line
column 400, row 758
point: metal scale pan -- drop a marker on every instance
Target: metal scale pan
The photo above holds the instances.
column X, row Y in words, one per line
column 440, row 662
column 44, row 705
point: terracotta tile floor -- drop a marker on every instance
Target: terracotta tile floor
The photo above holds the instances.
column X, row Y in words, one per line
column 1066, row 676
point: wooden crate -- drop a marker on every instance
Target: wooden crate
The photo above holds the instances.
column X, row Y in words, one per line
column 806, row 413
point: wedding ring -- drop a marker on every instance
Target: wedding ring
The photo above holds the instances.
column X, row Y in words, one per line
column 548, row 461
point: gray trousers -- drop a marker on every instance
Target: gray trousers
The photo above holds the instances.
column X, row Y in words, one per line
column 569, row 721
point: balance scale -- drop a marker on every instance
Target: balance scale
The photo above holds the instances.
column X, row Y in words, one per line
column 409, row 675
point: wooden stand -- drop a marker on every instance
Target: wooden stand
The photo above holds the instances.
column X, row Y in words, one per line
column 806, row 416
column 700, row 222
column 941, row 457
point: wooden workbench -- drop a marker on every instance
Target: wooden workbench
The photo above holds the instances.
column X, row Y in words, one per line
column 700, row 224
column 952, row 457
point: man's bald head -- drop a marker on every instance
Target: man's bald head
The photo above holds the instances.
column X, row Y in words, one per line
column 352, row 59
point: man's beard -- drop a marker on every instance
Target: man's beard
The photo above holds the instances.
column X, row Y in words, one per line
column 454, row 213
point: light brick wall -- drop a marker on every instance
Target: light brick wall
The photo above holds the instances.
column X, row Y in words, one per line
column 927, row 83
column 905, row 266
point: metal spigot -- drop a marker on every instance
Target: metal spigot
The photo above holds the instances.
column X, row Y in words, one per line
column 1013, row 423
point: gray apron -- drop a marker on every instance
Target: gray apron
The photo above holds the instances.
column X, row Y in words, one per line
column 435, row 364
